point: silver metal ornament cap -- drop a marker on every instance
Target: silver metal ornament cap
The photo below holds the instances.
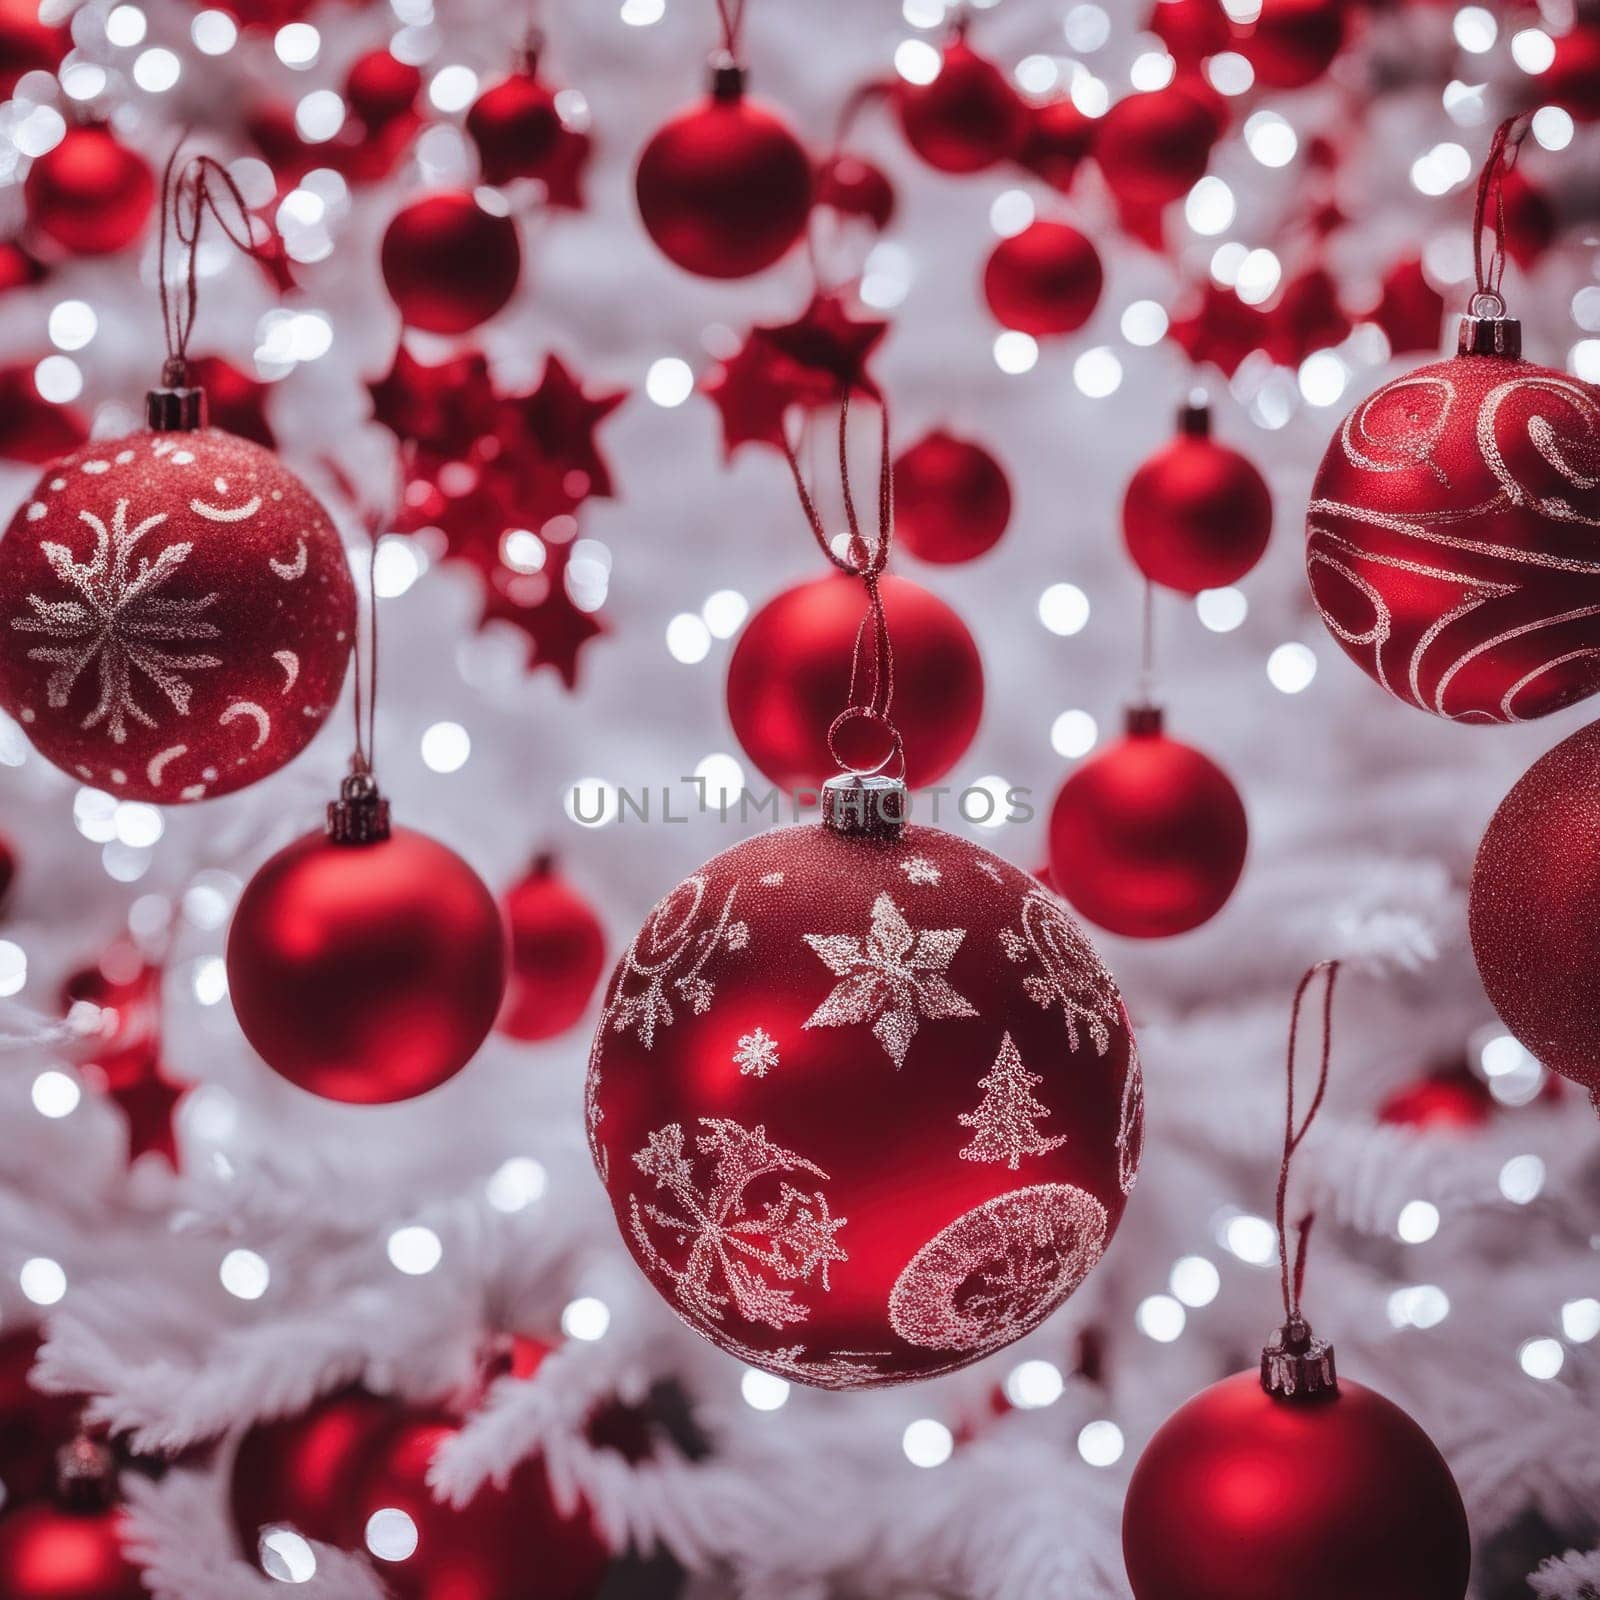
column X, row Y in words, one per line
column 175, row 405
column 1489, row 336
column 1297, row 1365
column 360, row 815
column 866, row 806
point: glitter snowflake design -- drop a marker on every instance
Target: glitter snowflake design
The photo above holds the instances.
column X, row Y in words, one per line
column 1130, row 1130
column 739, row 1253
column 756, row 1054
column 893, row 978
column 1066, row 970
column 1004, row 1124
column 119, row 624
column 919, row 869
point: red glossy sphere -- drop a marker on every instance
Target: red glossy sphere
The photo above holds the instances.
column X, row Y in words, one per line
column 856, row 188
column 1572, row 79
column 179, row 615
column 1044, row 280
column 1191, row 29
column 558, row 953
column 951, row 499
column 1244, row 1496
column 724, row 188
column 516, row 128
column 1293, row 42
column 968, row 118
column 366, row 972
column 1448, row 539
column 789, row 677
column 1147, row 837
column 379, row 88
column 993, row 1094
column 1059, row 137
column 49, row 1554
column 1154, row 147
column 448, row 264
column 90, row 194
column 1454, row 1100
column 27, row 44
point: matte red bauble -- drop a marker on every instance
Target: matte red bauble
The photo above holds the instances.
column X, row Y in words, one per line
column 789, row 677
column 968, row 118
column 1059, row 137
column 1449, row 538
column 1154, row 147
column 1191, row 30
column 378, row 88
column 558, row 952
column 448, row 264
column 366, row 972
column 724, row 188
column 1572, row 80
column 516, row 127
column 1453, row 1100
column 1044, row 280
column 856, row 188
column 90, row 194
column 1147, row 837
column 34, row 1425
column 179, row 615
column 1293, row 42
column 1196, row 514
column 867, row 1106
column 51, row 1554
column 951, row 499
column 27, row 44
column 1535, row 910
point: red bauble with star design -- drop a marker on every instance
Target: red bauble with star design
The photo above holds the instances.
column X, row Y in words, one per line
column 965, row 119
column 90, row 194
column 1449, row 538
column 1154, row 147
column 51, row 1553
column 449, row 264
column 1044, row 280
column 1293, row 42
column 993, row 1093
column 181, row 615
column 952, row 500
column 558, row 953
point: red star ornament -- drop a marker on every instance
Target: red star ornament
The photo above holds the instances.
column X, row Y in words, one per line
column 1215, row 325
column 444, row 409
column 541, row 605
column 548, row 442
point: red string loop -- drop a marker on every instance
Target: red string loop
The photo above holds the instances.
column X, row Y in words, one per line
column 731, row 14
column 1293, row 1277
column 1490, row 213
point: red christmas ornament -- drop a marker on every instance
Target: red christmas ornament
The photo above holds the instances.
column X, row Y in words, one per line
column 515, row 125
column 724, row 189
column 968, row 118
column 379, row 89
column 1410, row 310
column 51, row 1554
column 28, row 44
column 236, row 401
column 90, row 194
column 1452, row 1100
column 789, row 676
column 1059, row 137
column 1532, row 910
column 541, row 604
column 445, row 409
column 1213, row 324
column 951, row 499
column 181, row 613
column 1191, row 30
column 1147, row 837
column 1197, row 514
column 1154, row 147
column 864, row 1098
column 364, row 964
column 856, row 188
column 8, row 876
column 1572, row 80
column 34, row 1425
column 1307, row 317
column 1044, row 280
column 448, row 264
column 1293, row 42
column 558, row 952
column 1529, row 214
column 33, row 429
column 19, row 267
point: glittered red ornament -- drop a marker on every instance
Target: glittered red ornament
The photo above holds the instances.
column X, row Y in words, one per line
column 1293, row 42
column 33, row 429
column 558, row 952
column 1572, row 80
column 1448, row 540
column 90, row 194
column 1154, row 147
column 789, row 677
column 856, row 188
column 180, row 615
column 448, row 264
column 34, row 1425
column 867, row 1107
column 1196, row 514
column 1148, row 836
column 968, row 118
column 52, row 1554
column 951, row 498
column 515, row 125
column 1059, row 137
column 1044, row 280
column 1533, row 909
column 724, row 188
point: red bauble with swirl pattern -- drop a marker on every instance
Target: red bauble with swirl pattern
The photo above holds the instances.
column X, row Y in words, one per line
column 1450, row 539
column 867, row 1108
column 179, row 615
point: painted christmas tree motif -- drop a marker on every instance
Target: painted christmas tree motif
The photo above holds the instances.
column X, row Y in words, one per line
column 756, row 1054
column 893, row 978
column 1067, row 971
column 919, row 869
column 119, row 624
column 1004, row 1123
column 1130, row 1132
column 739, row 1251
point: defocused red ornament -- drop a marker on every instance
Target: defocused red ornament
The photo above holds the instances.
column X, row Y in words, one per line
column 547, row 439
column 237, row 402
column 542, row 605
column 1154, row 147
column 1410, row 310
column 445, row 408
column 8, row 876
column 52, row 1554
column 724, row 188
column 1148, row 836
column 378, row 88
column 558, row 952
column 951, row 499
column 1213, row 324
column 1448, row 539
column 1572, row 80
column 1059, row 137
column 856, row 188
column 1531, row 224
column 168, row 583
column 1535, row 910
column 1191, row 30
column 28, row 44
column 33, row 429
column 1453, row 1099
column 1307, row 317
column 968, row 118
column 449, row 264
column 1044, row 280
column 789, row 677
column 33, row 1425
column 1293, row 42
column 90, row 194
column 867, row 1108
column 515, row 125
column 19, row 267
column 1196, row 514
column 367, row 970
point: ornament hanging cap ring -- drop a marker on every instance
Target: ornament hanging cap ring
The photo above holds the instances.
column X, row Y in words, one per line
column 1486, row 330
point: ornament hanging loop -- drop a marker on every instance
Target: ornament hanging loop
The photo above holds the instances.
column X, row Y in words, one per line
column 1486, row 329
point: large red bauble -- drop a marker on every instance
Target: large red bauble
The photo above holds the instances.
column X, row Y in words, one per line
column 366, row 972
column 951, row 499
column 789, row 678
column 1242, row 1495
column 448, row 264
column 90, row 194
column 1196, row 514
column 34, row 1425
column 867, row 1108
column 1147, row 837
column 1044, row 280
column 1449, row 540
column 724, row 188
column 516, row 127
column 180, row 614
column 558, row 952
column 1154, row 147
column 50, row 1554
column 968, row 118
column 1293, row 42
column 1535, row 909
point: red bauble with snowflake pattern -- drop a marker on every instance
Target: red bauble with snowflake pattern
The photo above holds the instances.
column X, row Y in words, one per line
column 952, row 499
column 1044, row 280
column 965, row 119
column 90, row 194
column 558, row 953
column 180, row 615
column 448, row 263
column 866, row 1102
